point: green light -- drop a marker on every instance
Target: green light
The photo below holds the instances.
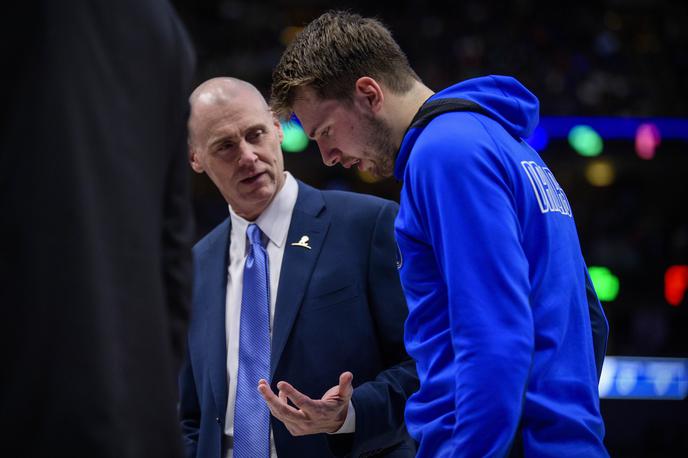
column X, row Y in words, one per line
column 585, row 141
column 605, row 282
column 295, row 139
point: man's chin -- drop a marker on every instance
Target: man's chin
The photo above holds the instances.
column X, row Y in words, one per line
column 258, row 199
column 260, row 193
column 380, row 171
column 379, row 165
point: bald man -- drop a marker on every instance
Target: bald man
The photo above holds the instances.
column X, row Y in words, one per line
column 296, row 343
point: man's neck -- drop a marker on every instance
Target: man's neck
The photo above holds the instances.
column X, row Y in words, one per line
column 402, row 108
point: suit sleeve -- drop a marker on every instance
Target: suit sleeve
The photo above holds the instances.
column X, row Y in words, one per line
column 380, row 403
column 189, row 408
column 463, row 197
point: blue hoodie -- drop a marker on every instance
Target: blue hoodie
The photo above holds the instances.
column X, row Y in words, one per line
column 500, row 319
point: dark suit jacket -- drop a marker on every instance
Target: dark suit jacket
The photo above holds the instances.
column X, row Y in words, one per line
column 95, row 228
column 339, row 307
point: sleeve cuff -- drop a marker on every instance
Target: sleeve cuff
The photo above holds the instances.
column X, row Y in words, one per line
column 349, row 425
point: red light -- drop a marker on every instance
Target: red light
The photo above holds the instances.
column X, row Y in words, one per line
column 647, row 139
column 675, row 284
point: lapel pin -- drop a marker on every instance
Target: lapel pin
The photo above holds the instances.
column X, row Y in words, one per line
column 303, row 243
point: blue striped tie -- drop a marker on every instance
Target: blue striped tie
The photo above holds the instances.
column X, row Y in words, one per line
column 251, row 414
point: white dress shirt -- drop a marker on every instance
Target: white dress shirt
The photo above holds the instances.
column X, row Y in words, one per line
column 274, row 224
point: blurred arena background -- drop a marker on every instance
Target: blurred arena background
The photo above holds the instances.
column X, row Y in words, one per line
column 612, row 79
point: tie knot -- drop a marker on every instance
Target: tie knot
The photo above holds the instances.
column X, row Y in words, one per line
column 253, row 233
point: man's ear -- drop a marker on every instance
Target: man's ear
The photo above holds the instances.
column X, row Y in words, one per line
column 368, row 94
column 193, row 160
column 278, row 126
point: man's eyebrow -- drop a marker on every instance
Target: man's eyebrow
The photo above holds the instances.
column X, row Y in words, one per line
column 315, row 129
column 233, row 136
column 256, row 126
column 222, row 139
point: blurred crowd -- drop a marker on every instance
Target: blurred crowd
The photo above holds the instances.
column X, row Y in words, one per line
column 611, row 58
column 615, row 57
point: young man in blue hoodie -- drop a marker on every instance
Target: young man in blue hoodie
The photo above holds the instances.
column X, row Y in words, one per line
column 504, row 325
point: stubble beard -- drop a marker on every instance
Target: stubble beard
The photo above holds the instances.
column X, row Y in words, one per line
column 381, row 150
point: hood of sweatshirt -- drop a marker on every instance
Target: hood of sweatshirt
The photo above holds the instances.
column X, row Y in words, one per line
column 502, row 98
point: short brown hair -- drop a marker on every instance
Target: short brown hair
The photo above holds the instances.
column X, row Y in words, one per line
column 332, row 52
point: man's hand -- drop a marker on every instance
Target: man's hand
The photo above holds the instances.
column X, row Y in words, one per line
column 312, row 416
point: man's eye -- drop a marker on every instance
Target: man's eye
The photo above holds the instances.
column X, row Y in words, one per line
column 326, row 133
column 255, row 135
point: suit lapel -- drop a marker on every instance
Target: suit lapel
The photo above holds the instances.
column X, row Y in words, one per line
column 215, row 289
column 297, row 265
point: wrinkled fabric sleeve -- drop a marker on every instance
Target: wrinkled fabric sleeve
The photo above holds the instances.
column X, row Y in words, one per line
column 464, row 199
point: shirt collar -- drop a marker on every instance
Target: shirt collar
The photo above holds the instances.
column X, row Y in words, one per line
column 274, row 221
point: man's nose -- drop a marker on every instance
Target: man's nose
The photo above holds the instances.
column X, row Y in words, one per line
column 330, row 156
column 247, row 155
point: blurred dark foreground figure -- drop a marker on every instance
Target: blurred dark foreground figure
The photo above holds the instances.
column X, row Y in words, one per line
column 95, row 231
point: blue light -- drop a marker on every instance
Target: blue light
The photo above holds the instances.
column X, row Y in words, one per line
column 629, row 377
column 294, row 120
column 613, row 128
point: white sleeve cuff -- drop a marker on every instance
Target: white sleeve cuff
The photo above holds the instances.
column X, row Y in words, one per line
column 349, row 425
